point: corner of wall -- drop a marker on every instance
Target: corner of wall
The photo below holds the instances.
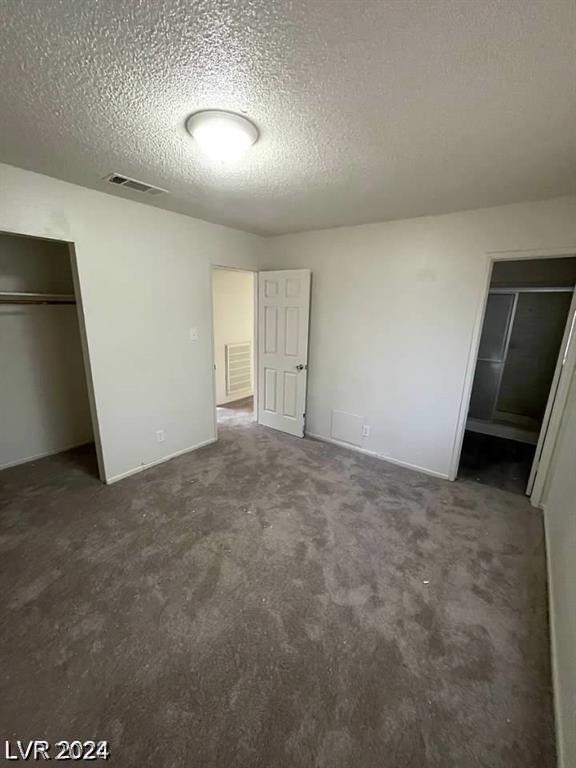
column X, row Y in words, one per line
column 552, row 620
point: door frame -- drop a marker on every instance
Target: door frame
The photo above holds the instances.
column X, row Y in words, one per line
column 565, row 366
column 255, row 382
column 562, row 392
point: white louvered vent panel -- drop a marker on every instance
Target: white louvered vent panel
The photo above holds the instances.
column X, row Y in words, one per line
column 238, row 368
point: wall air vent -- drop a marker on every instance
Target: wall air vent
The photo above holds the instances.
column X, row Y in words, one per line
column 137, row 186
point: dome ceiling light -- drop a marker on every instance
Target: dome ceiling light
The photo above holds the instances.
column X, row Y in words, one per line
column 222, row 135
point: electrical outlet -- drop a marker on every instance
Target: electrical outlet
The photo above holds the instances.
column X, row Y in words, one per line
column 159, row 435
column 366, row 430
column 193, row 334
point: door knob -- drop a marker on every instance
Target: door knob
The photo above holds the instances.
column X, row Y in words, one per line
column 301, row 367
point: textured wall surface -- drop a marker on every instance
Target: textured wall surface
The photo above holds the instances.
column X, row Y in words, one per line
column 145, row 282
column 368, row 110
column 233, row 315
column 395, row 308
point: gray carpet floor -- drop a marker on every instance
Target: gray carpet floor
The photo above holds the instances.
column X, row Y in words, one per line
column 277, row 603
column 490, row 460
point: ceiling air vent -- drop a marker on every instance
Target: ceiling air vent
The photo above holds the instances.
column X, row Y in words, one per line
column 133, row 184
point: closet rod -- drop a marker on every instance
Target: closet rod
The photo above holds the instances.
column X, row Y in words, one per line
column 36, row 298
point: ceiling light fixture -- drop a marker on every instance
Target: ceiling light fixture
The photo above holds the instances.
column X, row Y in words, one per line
column 222, row 135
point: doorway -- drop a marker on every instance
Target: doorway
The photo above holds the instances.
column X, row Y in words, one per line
column 45, row 404
column 233, row 303
column 260, row 334
column 525, row 333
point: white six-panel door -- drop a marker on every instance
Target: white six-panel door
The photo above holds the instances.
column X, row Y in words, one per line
column 283, row 316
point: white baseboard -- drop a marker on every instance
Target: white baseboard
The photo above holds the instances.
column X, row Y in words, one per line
column 397, row 462
column 553, row 656
column 43, row 455
column 142, row 467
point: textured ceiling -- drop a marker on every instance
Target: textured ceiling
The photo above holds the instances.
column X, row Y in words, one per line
column 369, row 110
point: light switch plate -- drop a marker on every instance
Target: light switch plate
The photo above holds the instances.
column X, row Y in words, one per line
column 193, row 334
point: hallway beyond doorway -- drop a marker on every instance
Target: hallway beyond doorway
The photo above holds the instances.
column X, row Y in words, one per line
column 237, row 413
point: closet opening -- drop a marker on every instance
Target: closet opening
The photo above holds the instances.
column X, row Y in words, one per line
column 233, row 317
column 45, row 409
column 525, row 335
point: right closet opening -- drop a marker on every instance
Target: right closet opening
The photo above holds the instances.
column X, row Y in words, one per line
column 526, row 328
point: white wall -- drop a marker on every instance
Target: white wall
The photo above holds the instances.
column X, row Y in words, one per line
column 233, row 307
column 395, row 309
column 43, row 398
column 394, row 306
column 396, row 314
column 144, row 277
column 28, row 264
column 560, row 516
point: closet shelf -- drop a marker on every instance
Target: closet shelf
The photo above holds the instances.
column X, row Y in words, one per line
column 506, row 430
column 10, row 297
